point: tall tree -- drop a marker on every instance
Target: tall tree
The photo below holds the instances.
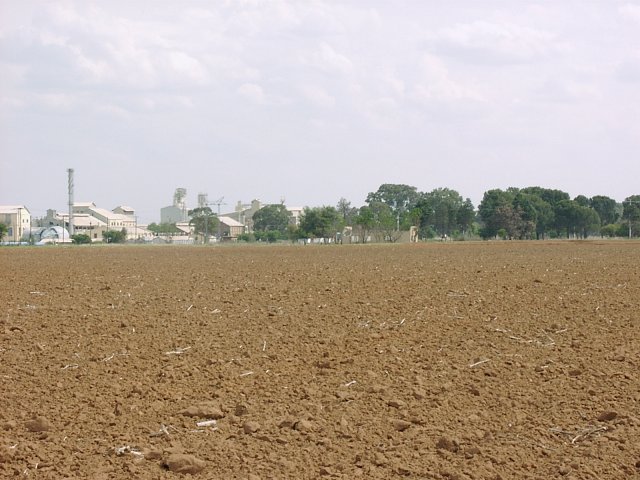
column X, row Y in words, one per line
column 346, row 211
column 272, row 218
column 631, row 213
column 582, row 200
column 400, row 198
column 365, row 221
column 489, row 212
column 549, row 195
column 588, row 221
column 606, row 208
column 3, row 230
column 384, row 222
column 204, row 222
column 320, row 222
column 508, row 219
column 446, row 204
column 570, row 217
column 465, row 216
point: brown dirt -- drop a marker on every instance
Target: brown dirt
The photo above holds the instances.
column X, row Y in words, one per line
column 454, row 361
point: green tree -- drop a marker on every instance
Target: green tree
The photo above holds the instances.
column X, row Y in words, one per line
column 509, row 221
column 365, row 221
column 3, row 230
column 588, row 221
column 384, row 222
column 320, row 222
column 492, row 213
column 443, row 212
column 576, row 220
column 80, row 239
column 606, row 208
column 465, row 216
column 422, row 216
column 346, row 211
column 272, row 218
column 631, row 213
column 400, row 198
column 204, row 221
column 293, row 233
column 551, row 196
column 582, row 200
column 446, row 203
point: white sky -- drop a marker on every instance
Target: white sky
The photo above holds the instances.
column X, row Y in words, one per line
column 314, row 100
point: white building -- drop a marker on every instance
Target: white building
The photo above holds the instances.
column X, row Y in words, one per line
column 17, row 218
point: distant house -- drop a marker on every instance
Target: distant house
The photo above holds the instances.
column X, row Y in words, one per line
column 17, row 218
column 230, row 229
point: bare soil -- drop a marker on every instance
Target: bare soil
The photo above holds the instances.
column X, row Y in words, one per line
column 446, row 361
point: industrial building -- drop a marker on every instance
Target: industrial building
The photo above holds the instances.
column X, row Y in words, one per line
column 93, row 221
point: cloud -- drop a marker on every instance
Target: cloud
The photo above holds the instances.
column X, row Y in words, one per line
column 384, row 113
column 630, row 11
column 495, row 43
column 252, row 92
column 629, row 70
column 436, row 84
column 318, row 96
column 563, row 90
column 327, row 59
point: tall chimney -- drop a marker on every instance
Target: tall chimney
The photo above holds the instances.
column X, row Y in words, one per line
column 71, row 226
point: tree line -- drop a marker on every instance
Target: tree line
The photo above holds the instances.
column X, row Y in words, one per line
column 514, row 213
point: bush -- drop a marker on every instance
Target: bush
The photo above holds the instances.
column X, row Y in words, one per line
column 246, row 237
column 270, row 236
column 609, row 231
column 80, row 238
column 114, row 236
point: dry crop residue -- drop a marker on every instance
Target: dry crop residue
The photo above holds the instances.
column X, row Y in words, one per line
column 446, row 361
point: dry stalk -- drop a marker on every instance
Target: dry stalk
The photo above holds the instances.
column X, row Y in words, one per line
column 586, row 432
column 177, row 351
column 110, row 357
column 580, row 434
column 479, row 362
column 164, row 430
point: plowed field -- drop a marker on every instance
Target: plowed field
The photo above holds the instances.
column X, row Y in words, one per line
column 496, row 360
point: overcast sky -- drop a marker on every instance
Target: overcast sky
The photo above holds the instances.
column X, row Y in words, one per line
column 312, row 100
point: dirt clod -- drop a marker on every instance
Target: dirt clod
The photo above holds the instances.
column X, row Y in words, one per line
column 39, row 424
column 184, row 463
